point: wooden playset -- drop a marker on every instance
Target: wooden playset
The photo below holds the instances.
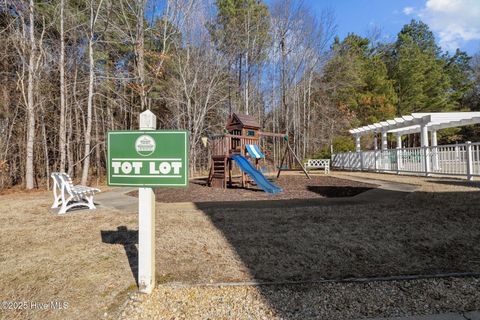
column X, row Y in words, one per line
column 241, row 144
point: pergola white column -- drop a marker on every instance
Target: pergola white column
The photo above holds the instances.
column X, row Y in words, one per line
column 425, row 149
column 433, row 139
column 358, row 146
column 424, row 136
column 384, row 140
column 358, row 149
column 399, row 152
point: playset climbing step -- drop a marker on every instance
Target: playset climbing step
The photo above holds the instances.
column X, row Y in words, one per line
column 218, row 172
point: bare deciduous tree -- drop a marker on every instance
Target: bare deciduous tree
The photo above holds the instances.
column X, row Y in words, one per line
column 94, row 12
column 30, row 102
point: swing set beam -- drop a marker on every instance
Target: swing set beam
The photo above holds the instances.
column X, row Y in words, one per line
column 287, row 150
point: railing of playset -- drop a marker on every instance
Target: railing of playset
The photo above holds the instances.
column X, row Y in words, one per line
column 229, row 144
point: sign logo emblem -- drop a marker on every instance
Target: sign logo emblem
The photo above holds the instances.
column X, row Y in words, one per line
column 145, row 145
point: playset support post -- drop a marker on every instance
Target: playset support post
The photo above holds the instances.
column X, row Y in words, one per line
column 287, row 150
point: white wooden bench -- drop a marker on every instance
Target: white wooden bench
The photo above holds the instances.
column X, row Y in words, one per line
column 318, row 164
column 67, row 196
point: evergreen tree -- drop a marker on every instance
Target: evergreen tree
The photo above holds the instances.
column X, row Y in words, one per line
column 421, row 82
column 460, row 73
column 360, row 81
column 420, row 34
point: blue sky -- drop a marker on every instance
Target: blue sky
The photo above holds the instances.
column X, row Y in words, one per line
column 456, row 23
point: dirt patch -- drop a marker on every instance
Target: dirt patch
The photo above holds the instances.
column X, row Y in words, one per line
column 294, row 187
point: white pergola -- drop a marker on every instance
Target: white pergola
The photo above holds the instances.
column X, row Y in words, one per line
column 415, row 123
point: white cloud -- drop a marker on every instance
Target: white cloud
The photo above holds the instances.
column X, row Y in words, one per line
column 455, row 21
column 408, row 10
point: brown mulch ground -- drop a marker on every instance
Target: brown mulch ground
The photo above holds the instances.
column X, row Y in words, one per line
column 294, row 187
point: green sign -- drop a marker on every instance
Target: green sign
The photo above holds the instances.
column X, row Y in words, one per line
column 149, row 158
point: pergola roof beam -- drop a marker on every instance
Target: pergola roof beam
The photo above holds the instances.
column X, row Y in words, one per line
column 412, row 123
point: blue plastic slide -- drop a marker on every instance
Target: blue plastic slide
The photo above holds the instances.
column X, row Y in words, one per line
column 256, row 175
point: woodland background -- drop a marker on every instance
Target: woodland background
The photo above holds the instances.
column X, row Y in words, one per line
column 70, row 70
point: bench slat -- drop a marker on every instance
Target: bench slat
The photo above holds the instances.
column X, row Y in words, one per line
column 78, row 195
column 318, row 164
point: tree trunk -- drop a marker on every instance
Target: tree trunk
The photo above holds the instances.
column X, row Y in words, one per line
column 98, row 166
column 88, row 129
column 62, row 129
column 69, row 145
column 76, row 151
column 45, row 148
column 239, row 79
column 247, row 83
column 307, row 129
column 247, row 65
column 283, row 86
column 30, row 103
column 141, row 52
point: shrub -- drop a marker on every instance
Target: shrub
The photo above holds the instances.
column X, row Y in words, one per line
column 340, row 144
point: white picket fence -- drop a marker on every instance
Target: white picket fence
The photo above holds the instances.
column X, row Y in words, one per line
column 455, row 159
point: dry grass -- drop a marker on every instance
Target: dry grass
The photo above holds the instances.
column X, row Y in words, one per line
column 45, row 257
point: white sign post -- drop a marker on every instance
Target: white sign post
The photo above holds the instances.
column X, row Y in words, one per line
column 146, row 223
column 147, row 158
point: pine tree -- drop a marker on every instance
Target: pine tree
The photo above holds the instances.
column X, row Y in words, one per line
column 360, row 79
column 461, row 75
column 420, row 80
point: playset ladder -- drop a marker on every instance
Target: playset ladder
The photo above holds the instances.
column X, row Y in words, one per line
column 218, row 172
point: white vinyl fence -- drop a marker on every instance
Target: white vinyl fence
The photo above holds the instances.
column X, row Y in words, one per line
column 456, row 159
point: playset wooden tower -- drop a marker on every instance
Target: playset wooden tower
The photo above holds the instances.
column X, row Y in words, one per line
column 241, row 144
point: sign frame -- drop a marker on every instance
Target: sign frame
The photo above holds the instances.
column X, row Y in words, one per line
column 138, row 133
